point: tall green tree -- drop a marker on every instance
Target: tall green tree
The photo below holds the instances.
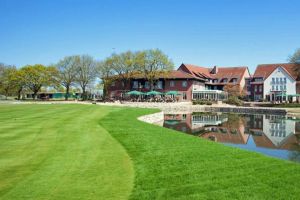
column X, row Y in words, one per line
column 87, row 73
column 153, row 64
column 19, row 82
column 67, row 72
column 7, row 78
column 37, row 76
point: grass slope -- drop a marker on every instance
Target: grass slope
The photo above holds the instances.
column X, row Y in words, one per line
column 85, row 152
column 172, row 165
column 60, row 152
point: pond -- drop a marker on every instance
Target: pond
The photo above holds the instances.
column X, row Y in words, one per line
column 272, row 135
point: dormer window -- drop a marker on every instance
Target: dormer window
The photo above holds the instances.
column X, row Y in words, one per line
column 224, row 80
column 233, row 80
column 258, row 79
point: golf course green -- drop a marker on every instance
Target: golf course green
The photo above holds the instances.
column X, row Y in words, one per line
column 100, row 152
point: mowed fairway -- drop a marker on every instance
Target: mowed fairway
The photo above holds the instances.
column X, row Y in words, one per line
column 94, row 152
column 60, row 152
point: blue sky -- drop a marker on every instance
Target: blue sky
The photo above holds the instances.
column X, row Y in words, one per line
column 205, row 33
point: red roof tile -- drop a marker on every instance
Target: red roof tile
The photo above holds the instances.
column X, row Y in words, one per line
column 180, row 74
column 265, row 70
column 223, row 72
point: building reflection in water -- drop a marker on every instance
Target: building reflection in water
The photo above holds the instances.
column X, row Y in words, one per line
column 262, row 133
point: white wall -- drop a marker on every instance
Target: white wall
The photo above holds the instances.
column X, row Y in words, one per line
column 198, row 86
column 280, row 73
column 279, row 131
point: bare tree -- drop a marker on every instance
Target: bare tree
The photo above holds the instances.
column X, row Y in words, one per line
column 153, row 64
column 67, row 72
column 86, row 73
column 295, row 58
column 123, row 65
column 106, row 75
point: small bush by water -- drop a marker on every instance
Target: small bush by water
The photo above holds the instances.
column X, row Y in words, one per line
column 202, row 102
column 234, row 101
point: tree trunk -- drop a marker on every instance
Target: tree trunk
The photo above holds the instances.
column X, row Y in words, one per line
column 83, row 93
column 151, row 84
column 34, row 95
column 104, row 91
column 67, row 92
column 6, row 91
column 19, row 93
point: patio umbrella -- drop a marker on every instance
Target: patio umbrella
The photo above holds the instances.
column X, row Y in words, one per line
column 281, row 95
column 176, row 93
column 294, row 95
column 153, row 93
column 171, row 122
column 134, row 92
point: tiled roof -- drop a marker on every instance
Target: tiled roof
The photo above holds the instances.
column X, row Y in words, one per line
column 197, row 70
column 223, row 72
column 265, row 70
column 179, row 74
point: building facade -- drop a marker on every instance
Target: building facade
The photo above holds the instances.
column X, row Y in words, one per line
column 192, row 82
column 175, row 80
column 275, row 82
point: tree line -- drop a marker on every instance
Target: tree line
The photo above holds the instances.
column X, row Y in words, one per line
column 81, row 71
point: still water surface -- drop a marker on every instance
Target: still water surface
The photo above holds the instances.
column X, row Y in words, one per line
column 272, row 135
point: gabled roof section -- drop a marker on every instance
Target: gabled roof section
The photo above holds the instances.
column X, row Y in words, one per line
column 195, row 70
column 181, row 75
column 221, row 73
column 265, row 70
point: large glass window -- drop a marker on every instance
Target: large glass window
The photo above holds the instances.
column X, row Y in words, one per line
column 172, row 83
column 135, row 84
column 147, row 85
column 159, row 85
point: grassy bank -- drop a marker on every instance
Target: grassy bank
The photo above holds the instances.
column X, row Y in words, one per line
column 171, row 165
column 93, row 152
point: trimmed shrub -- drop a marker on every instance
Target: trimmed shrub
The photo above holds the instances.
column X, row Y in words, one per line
column 234, row 101
column 202, row 102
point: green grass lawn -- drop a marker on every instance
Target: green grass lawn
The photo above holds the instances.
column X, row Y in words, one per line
column 93, row 152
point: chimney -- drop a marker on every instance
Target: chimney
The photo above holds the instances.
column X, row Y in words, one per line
column 214, row 70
